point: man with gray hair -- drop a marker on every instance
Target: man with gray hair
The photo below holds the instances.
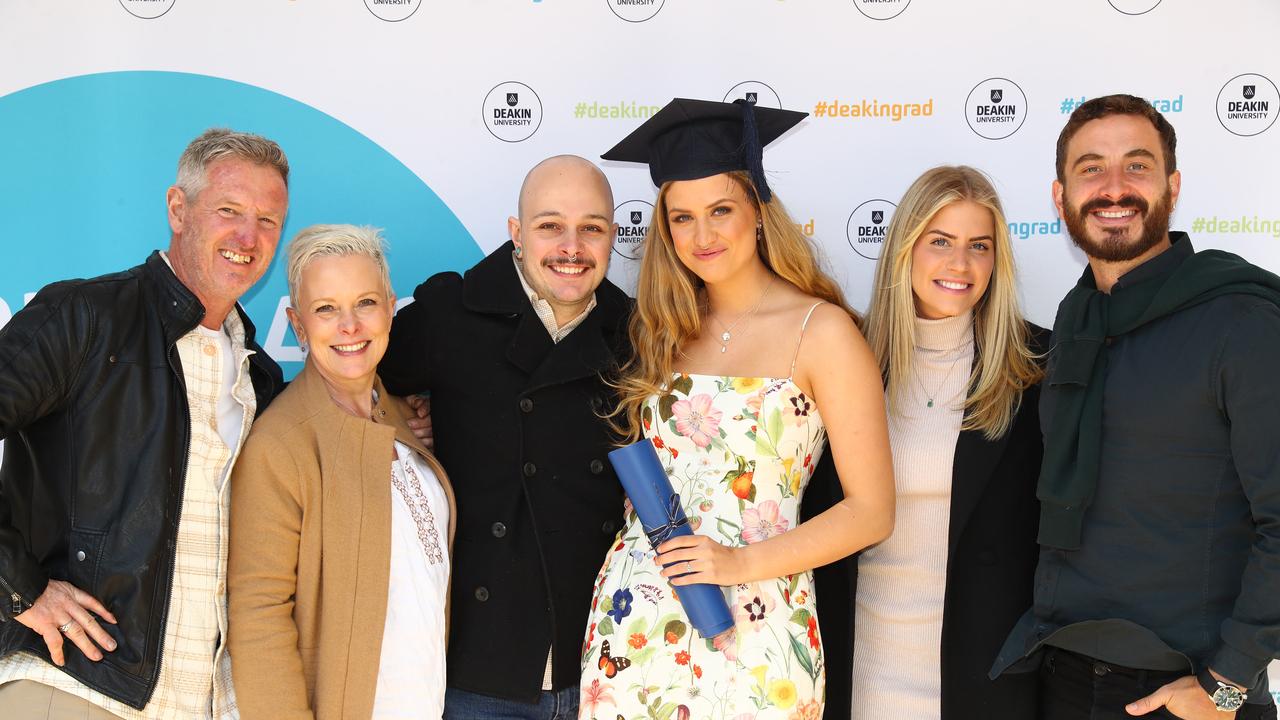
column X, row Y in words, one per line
column 124, row 401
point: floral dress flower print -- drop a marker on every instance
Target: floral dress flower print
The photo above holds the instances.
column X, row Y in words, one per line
column 739, row 451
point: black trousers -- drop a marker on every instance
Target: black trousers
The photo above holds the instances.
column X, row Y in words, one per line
column 1078, row 687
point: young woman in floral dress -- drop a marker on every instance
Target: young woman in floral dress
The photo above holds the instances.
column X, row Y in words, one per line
column 747, row 361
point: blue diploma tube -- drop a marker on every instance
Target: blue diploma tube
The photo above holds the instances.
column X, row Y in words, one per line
column 658, row 507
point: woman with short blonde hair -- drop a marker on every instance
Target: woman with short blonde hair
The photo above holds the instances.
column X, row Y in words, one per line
column 342, row 521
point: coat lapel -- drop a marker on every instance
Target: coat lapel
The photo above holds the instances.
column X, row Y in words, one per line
column 531, row 344
column 975, row 460
column 580, row 354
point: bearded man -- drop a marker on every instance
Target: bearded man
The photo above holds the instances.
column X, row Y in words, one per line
column 1159, row 573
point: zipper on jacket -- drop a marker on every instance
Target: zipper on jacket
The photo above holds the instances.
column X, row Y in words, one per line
column 173, row 551
column 16, row 602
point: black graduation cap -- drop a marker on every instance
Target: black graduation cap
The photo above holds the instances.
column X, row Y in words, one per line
column 691, row 139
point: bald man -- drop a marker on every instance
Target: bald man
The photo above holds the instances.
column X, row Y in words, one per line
column 512, row 353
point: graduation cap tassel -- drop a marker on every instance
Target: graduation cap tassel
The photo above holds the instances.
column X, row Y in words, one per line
column 751, row 150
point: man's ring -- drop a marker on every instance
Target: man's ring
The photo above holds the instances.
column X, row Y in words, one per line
column 66, row 627
column 688, row 566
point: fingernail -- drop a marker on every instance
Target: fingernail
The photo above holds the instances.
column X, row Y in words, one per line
column 111, row 646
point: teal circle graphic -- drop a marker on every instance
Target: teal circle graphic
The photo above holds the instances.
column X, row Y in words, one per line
column 87, row 161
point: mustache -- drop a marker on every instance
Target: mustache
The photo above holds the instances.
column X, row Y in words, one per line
column 1127, row 201
column 581, row 260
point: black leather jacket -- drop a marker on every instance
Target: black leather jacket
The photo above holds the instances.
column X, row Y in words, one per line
column 93, row 412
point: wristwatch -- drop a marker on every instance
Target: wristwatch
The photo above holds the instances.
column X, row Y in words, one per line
column 1226, row 697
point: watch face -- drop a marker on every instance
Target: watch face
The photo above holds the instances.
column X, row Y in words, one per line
column 1228, row 699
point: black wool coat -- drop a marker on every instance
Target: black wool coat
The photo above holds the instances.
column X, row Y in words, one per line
column 517, row 426
column 991, row 561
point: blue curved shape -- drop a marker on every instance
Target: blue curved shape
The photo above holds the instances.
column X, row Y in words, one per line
column 87, row 161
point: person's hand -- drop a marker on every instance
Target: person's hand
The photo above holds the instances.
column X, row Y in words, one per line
column 63, row 605
column 420, row 422
column 699, row 559
column 1184, row 698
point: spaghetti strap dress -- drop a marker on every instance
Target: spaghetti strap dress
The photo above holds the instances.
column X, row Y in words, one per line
column 739, row 451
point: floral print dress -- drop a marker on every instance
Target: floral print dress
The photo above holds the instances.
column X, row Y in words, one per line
column 739, row 451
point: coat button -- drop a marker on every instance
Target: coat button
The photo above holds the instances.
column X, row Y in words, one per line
column 597, row 467
column 1100, row 669
column 80, row 555
column 526, row 405
column 607, row 528
column 498, row 530
column 530, row 469
column 482, row 594
column 596, row 403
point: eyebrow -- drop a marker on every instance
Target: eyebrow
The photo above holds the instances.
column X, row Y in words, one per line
column 949, row 236
column 721, row 201
column 1136, row 152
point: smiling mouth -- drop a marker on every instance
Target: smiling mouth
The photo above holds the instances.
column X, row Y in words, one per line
column 953, row 285
column 351, row 349
column 568, row 270
column 1116, row 214
column 235, row 257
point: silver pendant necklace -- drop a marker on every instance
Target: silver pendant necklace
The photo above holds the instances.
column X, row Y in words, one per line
column 727, row 335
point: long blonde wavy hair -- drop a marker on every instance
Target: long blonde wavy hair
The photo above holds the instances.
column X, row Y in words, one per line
column 1005, row 364
column 668, row 309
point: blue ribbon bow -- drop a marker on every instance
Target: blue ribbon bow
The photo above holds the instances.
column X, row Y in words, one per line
column 675, row 520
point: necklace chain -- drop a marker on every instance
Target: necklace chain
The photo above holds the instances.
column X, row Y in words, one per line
column 727, row 335
column 932, row 396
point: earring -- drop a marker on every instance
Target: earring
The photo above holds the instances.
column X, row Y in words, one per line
column 302, row 341
column 759, row 233
column 519, row 252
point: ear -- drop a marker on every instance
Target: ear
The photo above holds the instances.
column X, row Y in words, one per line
column 1057, row 198
column 513, row 230
column 1175, row 187
column 295, row 321
column 176, row 202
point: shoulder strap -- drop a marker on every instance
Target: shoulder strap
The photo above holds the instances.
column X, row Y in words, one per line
column 799, row 340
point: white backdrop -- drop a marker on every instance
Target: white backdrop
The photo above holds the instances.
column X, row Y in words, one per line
column 422, row 81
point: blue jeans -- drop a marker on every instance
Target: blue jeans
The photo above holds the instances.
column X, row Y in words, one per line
column 463, row 705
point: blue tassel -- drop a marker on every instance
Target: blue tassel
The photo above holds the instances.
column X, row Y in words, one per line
column 751, row 150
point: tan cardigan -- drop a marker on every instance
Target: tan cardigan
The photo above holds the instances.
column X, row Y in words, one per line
column 311, row 552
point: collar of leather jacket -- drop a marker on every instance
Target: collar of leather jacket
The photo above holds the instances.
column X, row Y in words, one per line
column 180, row 309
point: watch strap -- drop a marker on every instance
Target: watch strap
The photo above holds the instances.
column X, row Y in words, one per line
column 1207, row 680
column 1212, row 685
